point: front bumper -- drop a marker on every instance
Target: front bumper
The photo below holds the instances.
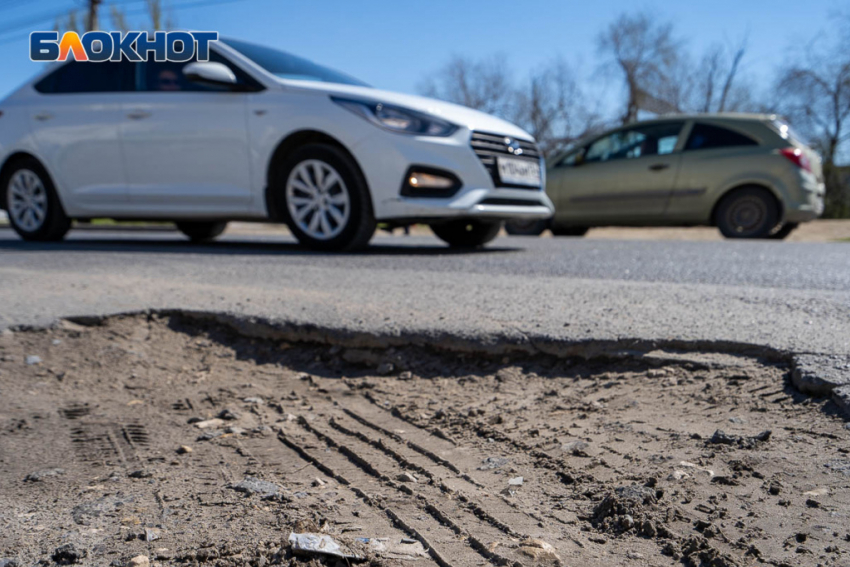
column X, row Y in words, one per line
column 386, row 157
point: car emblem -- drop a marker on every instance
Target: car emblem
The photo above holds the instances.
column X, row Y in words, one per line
column 514, row 147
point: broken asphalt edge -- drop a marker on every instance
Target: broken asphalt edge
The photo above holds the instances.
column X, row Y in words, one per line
column 816, row 375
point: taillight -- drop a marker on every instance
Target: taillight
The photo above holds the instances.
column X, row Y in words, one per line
column 797, row 156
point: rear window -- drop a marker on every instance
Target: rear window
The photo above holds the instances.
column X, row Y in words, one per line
column 87, row 77
column 705, row 136
column 787, row 132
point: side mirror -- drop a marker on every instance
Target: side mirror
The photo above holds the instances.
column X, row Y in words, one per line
column 211, row 73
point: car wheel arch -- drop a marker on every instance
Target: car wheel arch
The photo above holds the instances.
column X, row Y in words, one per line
column 288, row 145
column 10, row 163
column 758, row 185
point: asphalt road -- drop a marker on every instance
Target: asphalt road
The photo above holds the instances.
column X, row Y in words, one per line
column 792, row 296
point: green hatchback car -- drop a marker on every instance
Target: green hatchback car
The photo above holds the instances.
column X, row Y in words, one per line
column 748, row 175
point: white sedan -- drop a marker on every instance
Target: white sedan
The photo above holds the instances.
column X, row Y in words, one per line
column 257, row 134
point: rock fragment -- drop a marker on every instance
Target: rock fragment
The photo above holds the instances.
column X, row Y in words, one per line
column 228, row 415
column 491, row 463
column 139, row 561
column 68, row 554
column 251, row 486
column 184, row 450
column 539, row 550
column 33, row 359
column 39, row 476
column 407, row 477
column 209, row 423
column 720, row 437
column 577, row 448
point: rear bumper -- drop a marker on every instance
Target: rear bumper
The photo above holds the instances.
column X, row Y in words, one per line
column 811, row 205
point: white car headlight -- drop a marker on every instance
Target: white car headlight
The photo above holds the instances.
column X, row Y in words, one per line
column 398, row 119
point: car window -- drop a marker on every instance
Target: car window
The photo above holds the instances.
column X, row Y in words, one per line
column 86, row 77
column 641, row 141
column 571, row 158
column 288, row 66
column 705, row 136
column 168, row 77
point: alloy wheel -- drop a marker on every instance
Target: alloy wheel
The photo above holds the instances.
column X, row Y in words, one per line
column 27, row 200
column 318, row 200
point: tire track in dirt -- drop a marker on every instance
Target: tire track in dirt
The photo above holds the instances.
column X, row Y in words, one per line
column 448, row 536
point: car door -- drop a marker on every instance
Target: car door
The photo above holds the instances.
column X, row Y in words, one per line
column 624, row 177
column 185, row 145
column 712, row 155
column 75, row 123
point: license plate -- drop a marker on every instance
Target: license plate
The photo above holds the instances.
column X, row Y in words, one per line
column 514, row 171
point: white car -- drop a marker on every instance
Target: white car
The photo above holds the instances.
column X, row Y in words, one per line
column 257, row 134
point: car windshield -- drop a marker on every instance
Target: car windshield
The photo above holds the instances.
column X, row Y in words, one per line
column 288, row 66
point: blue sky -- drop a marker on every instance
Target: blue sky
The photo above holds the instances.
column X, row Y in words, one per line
column 393, row 44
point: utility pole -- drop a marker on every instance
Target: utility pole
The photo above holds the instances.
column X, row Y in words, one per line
column 92, row 23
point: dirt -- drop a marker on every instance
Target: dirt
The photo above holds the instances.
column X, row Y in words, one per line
column 158, row 439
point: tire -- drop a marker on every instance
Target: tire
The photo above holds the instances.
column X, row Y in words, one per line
column 784, row 231
column 577, row 231
column 335, row 218
column 526, row 227
column 32, row 204
column 201, row 231
column 467, row 233
column 750, row 212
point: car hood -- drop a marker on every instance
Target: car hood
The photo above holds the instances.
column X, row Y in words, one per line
column 460, row 115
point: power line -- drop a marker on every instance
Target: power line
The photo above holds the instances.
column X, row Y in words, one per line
column 24, row 23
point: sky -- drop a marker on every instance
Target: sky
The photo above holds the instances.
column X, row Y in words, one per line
column 395, row 44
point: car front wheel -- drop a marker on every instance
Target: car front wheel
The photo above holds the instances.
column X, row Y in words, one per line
column 325, row 200
column 467, row 233
column 526, row 227
column 34, row 210
column 201, row 231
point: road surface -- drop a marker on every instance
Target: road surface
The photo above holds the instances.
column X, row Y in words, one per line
column 786, row 295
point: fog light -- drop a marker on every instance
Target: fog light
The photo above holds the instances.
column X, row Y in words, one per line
column 419, row 180
column 423, row 181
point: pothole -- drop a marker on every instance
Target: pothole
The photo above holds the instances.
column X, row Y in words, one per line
column 501, row 458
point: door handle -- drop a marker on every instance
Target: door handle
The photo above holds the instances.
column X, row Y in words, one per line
column 659, row 166
column 43, row 116
column 139, row 115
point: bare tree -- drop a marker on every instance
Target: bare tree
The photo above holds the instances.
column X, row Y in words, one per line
column 814, row 93
column 646, row 53
column 553, row 108
column 716, row 89
column 483, row 85
column 549, row 104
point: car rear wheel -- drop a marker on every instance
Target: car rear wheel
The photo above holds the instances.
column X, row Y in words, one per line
column 467, row 233
column 784, row 231
column 526, row 227
column 201, row 231
column 325, row 200
column 750, row 212
column 34, row 210
column 569, row 230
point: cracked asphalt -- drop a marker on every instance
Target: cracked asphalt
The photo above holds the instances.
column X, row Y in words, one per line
column 786, row 295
